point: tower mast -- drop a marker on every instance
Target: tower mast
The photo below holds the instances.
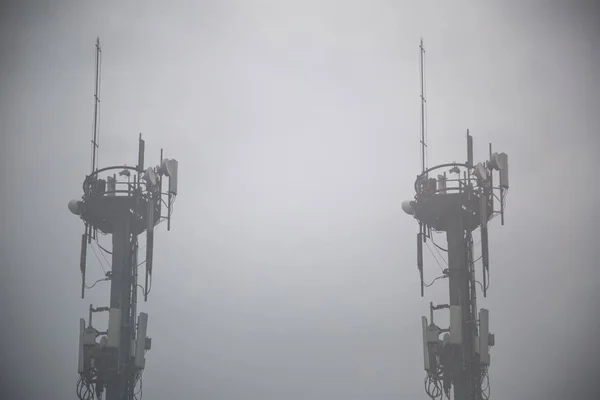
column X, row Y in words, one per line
column 112, row 360
column 458, row 202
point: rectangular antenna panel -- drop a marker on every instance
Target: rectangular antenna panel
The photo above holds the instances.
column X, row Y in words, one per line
column 484, row 330
column 89, row 337
column 173, row 167
column 455, row 325
column 83, row 253
column 111, row 185
column 100, row 187
column 81, row 330
column 420, row 251
column 150, row 234
column 420, row 260
column 433, row 335
column 503, row 166
column 142, row 147
column 425, row 346
column 469, row 150
column 140, row 344
column 485, row 253
column 83, row 257
column 114, row 328
column 432, row 185
column 484, row 230
column 442, row 183
column 484, row 213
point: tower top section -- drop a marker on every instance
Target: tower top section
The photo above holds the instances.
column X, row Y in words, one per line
column 460, row 189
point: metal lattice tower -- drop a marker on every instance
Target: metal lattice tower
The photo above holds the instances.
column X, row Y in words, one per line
column 458, row 202
column 112, row 361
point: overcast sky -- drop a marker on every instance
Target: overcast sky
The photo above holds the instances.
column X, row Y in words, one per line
column 290, row 269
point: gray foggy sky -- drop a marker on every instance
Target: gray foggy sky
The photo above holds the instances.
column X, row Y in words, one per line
column 290, row 270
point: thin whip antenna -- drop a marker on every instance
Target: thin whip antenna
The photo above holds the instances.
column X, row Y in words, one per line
column 96, row 131
column 423, row 104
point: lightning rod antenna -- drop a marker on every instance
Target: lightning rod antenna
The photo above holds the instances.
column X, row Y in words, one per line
column 95, row 130
column 423, row 104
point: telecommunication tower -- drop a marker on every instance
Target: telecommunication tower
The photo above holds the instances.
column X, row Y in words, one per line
column 111, row 361
column 458, row 202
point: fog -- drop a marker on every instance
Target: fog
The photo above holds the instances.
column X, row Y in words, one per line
column 290, row 269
